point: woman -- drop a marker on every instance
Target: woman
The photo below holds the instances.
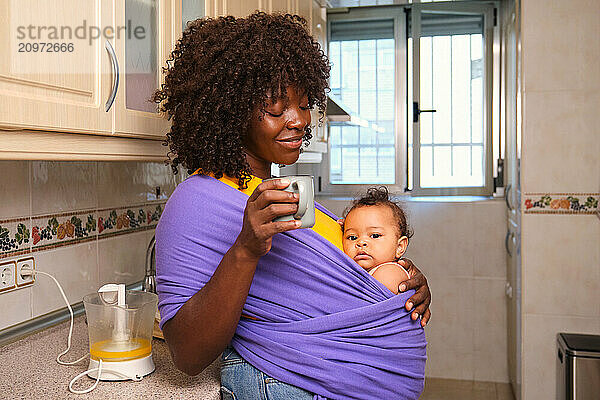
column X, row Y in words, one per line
column 239, row 91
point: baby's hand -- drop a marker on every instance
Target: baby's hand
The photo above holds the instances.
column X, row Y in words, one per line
column 341, row 222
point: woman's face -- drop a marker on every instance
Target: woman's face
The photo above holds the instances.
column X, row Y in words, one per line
column 277, row 137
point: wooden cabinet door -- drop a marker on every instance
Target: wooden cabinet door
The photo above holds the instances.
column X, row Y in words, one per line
column 55, row 72
column 242, row 8
column 319, row 24
column 215, row 8
column 280, row 6
column 237, row 8
column 304, row 9
column 141, row 53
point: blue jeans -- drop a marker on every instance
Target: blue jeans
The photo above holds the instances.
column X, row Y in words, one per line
column 242, row 381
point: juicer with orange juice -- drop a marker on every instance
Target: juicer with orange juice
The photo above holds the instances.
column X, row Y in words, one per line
column 120, row 326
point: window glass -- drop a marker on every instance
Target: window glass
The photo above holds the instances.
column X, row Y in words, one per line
column 362, row 77
column 451, row 82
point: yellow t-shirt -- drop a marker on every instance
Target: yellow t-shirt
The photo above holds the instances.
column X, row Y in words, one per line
column 325, row 226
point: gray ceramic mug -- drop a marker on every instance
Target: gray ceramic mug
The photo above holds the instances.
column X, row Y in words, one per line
column 303, row 185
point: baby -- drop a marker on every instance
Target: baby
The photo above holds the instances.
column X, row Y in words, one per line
column 376, row 236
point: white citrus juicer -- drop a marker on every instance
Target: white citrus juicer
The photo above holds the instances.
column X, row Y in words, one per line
column 120, row 326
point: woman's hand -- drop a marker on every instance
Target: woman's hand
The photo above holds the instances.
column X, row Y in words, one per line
column 267, row 202
column 422, row 298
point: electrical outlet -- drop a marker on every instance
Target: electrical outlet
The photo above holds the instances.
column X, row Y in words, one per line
column 7, row 275
column 28, row 262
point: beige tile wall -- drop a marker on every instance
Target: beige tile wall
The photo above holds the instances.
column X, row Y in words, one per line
column 30, row 188
column 539, row 354
column 560, row 154
column 15, row 189
column 460, row 248
column 63, row 186
column 16, row 307
column 123, row 258
column 561, row 291
column 75, row 267
column 559, row 50
column 562, row 258
column 560, row 141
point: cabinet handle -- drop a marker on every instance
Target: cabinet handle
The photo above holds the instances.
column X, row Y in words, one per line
column 508, row 290
column 506, row 197
column 509, row 235
column 115, row 73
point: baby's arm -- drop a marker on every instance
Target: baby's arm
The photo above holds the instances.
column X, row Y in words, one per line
column 391, row 275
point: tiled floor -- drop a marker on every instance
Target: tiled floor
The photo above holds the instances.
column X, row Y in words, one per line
column 452, row 389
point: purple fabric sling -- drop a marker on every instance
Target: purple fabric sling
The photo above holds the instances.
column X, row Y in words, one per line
column 325, row 325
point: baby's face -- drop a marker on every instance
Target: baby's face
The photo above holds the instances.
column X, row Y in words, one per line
column 371, row 236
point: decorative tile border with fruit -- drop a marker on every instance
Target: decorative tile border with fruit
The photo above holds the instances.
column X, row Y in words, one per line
column 30, row 234
column 15, row 236
column 561, row 203
column 117, row 221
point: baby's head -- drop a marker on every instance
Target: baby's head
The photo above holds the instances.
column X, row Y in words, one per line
column 375, row 229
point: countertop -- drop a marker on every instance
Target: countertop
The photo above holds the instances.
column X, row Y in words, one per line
column 28, row 370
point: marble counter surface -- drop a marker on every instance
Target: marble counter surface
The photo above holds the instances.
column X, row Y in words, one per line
column 28, row 370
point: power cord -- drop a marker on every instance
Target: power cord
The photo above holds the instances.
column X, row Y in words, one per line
column 26, row 271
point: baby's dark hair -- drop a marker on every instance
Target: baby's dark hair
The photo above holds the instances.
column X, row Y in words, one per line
column 380, row 196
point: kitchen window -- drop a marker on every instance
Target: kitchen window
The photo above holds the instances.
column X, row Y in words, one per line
column 362, row 78
column 423, row 126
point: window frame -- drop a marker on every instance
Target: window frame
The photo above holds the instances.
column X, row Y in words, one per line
column 487, row 10
column 398, row 14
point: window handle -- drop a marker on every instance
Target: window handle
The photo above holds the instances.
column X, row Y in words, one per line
column 417, row 111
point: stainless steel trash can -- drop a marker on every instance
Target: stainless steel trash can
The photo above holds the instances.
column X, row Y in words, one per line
column 578, row 367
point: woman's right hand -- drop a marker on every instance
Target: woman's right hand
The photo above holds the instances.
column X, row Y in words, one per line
column 267, row 202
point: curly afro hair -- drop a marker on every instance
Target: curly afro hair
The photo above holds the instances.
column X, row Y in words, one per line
column 221, row 71
column 380, row 196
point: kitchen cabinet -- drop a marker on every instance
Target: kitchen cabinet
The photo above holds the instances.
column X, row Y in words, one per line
column 54, row 84
column 318, row 28
column 91, row 70
column 140, row 58
column 237, row 8
column 312, row 10
column 241, row 8
column 72, row 91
